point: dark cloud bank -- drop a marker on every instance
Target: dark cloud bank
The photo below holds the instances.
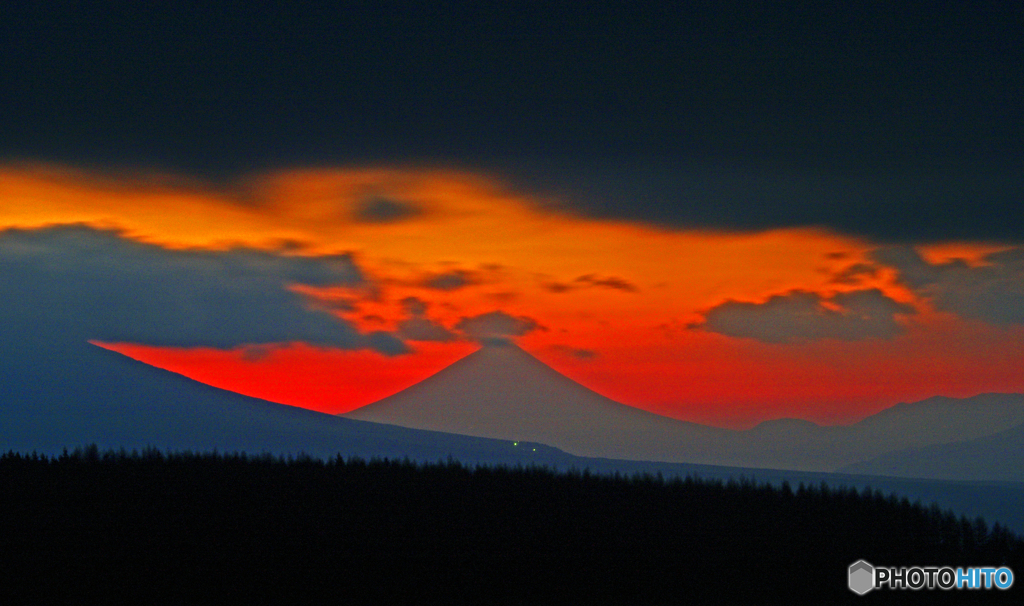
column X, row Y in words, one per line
column 921, row 201
column 900, row 122
column 71, row 284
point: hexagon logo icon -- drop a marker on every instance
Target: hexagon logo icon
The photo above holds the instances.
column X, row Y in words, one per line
column 862, row 577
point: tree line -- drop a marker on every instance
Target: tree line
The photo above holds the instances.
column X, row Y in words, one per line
column 183, row 527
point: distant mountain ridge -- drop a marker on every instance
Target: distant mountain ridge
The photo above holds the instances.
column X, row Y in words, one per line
column 503, row 392
column 996, row 457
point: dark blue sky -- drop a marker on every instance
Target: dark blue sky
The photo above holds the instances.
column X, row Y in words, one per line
column 892, row 121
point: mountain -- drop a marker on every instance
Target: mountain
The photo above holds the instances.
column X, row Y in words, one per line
column 72, row 396
column 795, row 444
column 995, row 457
column 942, row 419
column 502, row 392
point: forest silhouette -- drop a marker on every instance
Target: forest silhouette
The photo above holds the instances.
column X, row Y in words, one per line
column 186, row 528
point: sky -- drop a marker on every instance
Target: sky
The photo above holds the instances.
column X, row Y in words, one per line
column 722, row 212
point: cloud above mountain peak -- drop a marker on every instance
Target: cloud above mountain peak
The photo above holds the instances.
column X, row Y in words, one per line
column 496, row 325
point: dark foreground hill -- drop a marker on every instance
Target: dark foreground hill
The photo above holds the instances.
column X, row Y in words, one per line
column 190, row 529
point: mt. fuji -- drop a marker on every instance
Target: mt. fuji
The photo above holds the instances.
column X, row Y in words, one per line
column 503, row 392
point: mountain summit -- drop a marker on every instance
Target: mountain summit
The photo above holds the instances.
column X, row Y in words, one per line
column 501, row 391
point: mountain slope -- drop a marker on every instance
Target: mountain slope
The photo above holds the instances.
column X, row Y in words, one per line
column 73, row 396
column 942, row 419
